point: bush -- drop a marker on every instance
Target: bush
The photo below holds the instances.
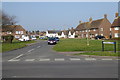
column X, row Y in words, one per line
column 8, row 38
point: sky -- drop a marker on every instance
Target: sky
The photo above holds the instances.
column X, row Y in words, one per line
column 58, row 15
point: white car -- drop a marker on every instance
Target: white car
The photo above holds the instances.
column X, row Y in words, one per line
column 25, row 38
column 33, row 38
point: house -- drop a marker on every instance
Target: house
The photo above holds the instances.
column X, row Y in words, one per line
column 93, row 28
column 70, row 33
column 115, row 28
column 52, row 33
column 16, row 30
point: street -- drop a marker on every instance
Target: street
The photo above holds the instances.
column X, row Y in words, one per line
column 40, row 61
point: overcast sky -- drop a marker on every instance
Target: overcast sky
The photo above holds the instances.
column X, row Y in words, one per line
column 58, row 15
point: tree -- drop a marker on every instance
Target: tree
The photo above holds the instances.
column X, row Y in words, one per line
column 8, row 20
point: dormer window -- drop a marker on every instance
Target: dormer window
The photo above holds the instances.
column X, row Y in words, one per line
column 116, row 28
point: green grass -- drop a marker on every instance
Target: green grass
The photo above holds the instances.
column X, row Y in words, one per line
column 67, row 45
column 99, row 53
column 15, row 45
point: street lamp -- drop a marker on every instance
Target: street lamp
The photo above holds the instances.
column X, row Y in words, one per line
column 86, row 26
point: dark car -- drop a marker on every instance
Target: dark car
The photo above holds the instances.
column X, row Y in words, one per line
column 99, row 37
column 52, row 41
column 57, row 38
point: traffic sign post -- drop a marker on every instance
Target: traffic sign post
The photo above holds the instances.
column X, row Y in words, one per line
column 109, row 43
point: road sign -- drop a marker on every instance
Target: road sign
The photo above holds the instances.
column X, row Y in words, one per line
column 109, row 43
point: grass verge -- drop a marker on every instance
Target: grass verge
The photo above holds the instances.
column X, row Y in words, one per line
column 99, row 53
column 70, row 45
column 15, row 45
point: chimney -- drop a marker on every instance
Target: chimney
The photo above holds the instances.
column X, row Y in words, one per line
column 80, row 22
column 105, row 15
column 90, row 19
column 72, row 28
column 116, row 14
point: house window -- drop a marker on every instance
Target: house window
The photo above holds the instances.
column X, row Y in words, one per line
column 101, row 29
column 89, row 30
column 116, row 28
column 117, row 34
column 96, row 34
column 110, row 29
column 85, row 30
column 94, row 29
column 101, row 34
column 17, row 32
column 8, row 32
column 21, row 32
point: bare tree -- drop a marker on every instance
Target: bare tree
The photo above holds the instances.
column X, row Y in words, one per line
column 8, row 20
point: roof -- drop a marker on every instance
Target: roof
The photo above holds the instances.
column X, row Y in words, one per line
column 53, row 31
column 93, row 24
column 96, row 23
column 12, row 28
column 116, row 22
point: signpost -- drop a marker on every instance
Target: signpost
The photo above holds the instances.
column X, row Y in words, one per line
column 109, row 43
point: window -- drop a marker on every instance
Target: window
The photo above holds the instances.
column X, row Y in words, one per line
column 21, row 32
column 96, row 34
column 17, row 32
column 110, row 29
column 101, row 29
column 85, row 30
column 94, row 29
column 117, row 34
column 116, row 28
column 101, row 34
column 8, row 32
column 89, row 30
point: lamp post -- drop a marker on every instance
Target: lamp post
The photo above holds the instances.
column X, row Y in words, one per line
column 87, row 34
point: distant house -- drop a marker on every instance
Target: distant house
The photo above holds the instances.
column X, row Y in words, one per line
column 115, row 28
column 52, row 33
column 16, row 30
column 93, row 28
column 70, row 33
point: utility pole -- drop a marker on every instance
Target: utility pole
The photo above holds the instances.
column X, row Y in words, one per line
column 87, row 34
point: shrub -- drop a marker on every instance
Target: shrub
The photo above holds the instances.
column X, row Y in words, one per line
column 8, row 38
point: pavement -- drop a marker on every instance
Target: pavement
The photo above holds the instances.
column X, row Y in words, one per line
column 40, row 61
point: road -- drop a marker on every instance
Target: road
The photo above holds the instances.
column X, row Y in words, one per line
column 40, row 61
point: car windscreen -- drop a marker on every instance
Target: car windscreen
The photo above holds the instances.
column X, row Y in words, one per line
column 51, row 39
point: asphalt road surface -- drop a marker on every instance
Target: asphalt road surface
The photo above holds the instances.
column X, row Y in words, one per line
column 40, row 61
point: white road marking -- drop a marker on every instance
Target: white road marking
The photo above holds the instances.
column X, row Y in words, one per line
column 74, row 59
column 44, row 60
column 59, row 59
column 107, row 59
column 90, row 59
column 31, row 50
column 38, row 46
column 29, row 59
column 13, row 60
column 117, row 59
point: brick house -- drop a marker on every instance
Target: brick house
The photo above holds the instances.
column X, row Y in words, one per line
column 16, row 30
column 115, row 28
column 93, row 28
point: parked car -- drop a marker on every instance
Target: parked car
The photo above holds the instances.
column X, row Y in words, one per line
column 24, row 38
column 99, row 37
column 57, row 38
column 52, row 41
column 33, row 38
